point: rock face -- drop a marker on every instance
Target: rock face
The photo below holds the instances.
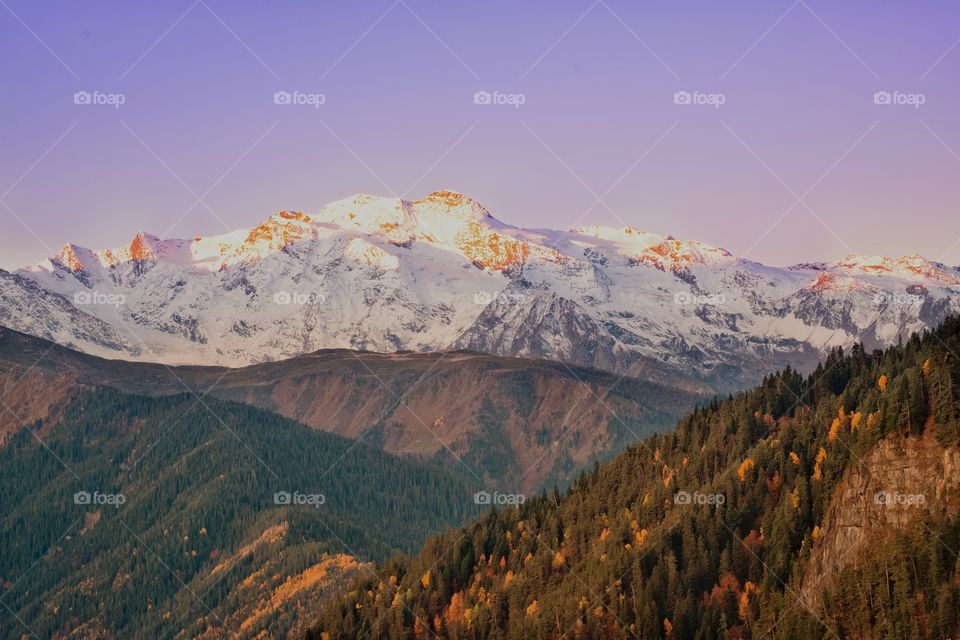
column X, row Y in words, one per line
column 896, row 482
column 441, row 273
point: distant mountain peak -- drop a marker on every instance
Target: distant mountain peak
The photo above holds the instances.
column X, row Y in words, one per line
column 664, row 252
column 909, row 266
column 69, row 256
column 456, row 204
column 440, row 272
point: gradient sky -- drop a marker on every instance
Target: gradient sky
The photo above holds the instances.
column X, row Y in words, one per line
column 599, row 119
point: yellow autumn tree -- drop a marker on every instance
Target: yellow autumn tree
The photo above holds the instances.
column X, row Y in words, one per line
column 745, row 468
column 454, row 613
column 821, row 456
column 743, row 606
column 794, row 458
column 882, row 382
column 558, row 559
column 834, row 430
column 855, row 420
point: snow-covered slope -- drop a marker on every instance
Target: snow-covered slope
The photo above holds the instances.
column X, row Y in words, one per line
column 385, row 274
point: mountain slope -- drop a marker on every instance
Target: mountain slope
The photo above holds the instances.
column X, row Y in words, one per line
column 147, row 517
column 736, row 525
column 441, row 273
column 513, row 424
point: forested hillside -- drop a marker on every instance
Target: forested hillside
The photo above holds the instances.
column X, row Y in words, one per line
column 516, row 424
column 151, row 518
column 820, row 506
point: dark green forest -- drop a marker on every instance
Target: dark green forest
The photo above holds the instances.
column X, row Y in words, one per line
column 198, row 482
column 620, row 555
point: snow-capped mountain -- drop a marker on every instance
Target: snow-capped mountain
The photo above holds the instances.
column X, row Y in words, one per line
column 440, row 273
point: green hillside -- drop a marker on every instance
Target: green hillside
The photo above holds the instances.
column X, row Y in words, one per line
column 197, row 517
column 758, row 517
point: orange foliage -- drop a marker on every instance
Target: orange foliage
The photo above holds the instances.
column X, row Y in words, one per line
column 855, row 420
column 834, row 429
column 454, row 613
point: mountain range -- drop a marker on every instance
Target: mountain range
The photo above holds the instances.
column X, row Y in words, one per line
column 503, row 423
column 442, row 273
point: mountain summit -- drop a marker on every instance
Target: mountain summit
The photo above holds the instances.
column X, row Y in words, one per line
column 439, row 273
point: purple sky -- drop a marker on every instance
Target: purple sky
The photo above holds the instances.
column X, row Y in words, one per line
column 598, row 81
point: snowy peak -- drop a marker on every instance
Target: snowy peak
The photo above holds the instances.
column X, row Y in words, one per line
column 439, row 273
column 453, row 204
column 827, row 281
column 911, row 267
column 73, row 258
column 277, row 233
column 389, row 218
column 451, row 221
column 142, row 248
column 662, row 252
